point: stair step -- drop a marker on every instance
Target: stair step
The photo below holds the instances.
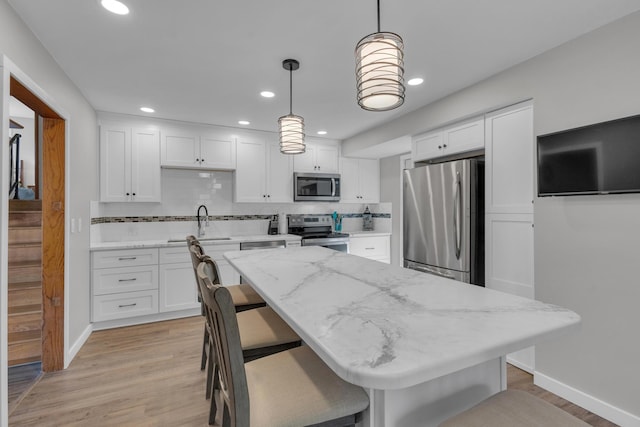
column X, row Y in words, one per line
column 25, row 285
column 21, row 272
column 22, row 297
column 25, row 219
column 25, row 309
column 24, row 352
column 24, row 252
column 25, row 234
column 25, row 205
column 24, row 322
column 25, row 336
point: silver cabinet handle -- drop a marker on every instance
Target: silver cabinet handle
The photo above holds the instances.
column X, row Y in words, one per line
column 369, row 249
column 457, row 235
column 127, row 305
column 127, row 280
column 127, row 258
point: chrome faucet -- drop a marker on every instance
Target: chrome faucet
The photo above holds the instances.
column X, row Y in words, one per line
column 206, row 220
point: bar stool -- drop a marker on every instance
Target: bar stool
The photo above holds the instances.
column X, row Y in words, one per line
column 292, row 388
column 514, row 408
column 262, row 331
column 243, row 295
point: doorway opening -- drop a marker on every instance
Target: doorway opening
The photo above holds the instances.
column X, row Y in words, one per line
column 36, row 237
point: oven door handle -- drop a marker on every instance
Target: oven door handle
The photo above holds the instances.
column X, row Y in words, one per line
column 333, row 187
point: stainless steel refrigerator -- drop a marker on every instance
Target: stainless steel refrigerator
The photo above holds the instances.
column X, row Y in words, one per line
column 443, row 214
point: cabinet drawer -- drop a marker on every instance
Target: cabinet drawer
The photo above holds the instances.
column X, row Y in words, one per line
column 124, row 279
column 120, row 306
column 178, row 254
column 369, row 247
column 125, row 258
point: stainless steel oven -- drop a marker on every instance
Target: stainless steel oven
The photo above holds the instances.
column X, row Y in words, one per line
column 316, row 187
column 316, row 231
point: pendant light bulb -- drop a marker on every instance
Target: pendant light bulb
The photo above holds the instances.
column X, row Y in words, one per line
column 380, row 70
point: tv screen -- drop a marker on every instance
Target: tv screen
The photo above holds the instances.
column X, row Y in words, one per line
column 597, row 159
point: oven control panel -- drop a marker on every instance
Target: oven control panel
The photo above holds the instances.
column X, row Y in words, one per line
column 309, row 220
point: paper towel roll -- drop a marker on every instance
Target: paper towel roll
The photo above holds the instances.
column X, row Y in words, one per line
column 283, row 226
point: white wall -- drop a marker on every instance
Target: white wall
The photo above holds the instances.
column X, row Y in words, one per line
column 586, row 248
column 390, row 192
column 24, row 50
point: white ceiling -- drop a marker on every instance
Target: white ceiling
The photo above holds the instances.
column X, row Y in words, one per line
column 206, row 61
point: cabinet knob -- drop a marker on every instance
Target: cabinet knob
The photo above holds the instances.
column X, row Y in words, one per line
column 439, row 147
column 264, row 195
column 444, row 146
column 269, row 195
column 127, row 194
column 201, row 160
column 197, row 160
column 133, row 194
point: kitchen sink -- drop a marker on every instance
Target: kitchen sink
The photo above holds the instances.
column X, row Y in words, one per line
column 204, row 239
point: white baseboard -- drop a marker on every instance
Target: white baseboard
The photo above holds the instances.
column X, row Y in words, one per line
column 75, row 348
column 519, row 365
column 586, row 401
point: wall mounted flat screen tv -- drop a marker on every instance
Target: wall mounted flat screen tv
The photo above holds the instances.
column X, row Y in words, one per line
column 602, row 158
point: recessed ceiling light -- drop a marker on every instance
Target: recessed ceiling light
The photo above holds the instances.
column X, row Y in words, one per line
column 114, row 6
column 322, row 132
column 415, row 81
column 243, row 122
column 267, row 94
column 147, row 109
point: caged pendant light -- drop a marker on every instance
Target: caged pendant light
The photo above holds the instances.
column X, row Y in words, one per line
column 291, row 126
column 380, row 70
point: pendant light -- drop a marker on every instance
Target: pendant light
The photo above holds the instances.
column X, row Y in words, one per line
column 380, row 70
column 291, row 126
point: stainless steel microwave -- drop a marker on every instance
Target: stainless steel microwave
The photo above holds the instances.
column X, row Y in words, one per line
column 316, row 187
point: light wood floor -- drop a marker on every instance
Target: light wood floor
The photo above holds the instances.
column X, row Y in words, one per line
column 149, row 375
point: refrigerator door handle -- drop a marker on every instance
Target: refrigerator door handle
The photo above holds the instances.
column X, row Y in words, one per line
column 457, row 235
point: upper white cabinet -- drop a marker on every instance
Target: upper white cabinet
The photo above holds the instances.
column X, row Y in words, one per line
column 360, row 181
column 458, row 138
column 318, row 157
column 129, row 164
column 190, row 149
column 262, row 174
column 509, row 160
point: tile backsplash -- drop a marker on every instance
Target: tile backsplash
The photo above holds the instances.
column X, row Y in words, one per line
column 184, row 190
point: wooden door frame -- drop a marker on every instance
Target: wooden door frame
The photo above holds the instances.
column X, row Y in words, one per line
column 54, row 242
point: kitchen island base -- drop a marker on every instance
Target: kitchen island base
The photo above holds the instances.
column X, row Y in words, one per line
column 430, row 403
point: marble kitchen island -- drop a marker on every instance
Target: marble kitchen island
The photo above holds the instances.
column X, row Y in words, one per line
column 423, row 346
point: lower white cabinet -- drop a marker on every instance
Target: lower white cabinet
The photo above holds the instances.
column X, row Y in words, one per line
column 124, row 283
column 123, row 305
column 177, row 290
column 377, row 248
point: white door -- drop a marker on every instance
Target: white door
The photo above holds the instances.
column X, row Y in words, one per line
column 327, row 158
column 115, row 164
column 180, row 149
column 145, row 166
column 369, row 178
column 280, row 176
column 217, row 153
column 177, row 287
column 251, row 172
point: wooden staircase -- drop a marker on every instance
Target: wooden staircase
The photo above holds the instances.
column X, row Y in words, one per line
column 25, row 282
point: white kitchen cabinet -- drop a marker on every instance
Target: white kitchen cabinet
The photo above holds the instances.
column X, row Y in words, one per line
column 190, row 149
column 360, row 181
column 377, row 248
column 318, row 157
column 177, row 286
column 129, row 164
column 124, row 283
column 263, row 174
column 459, row 138
column 509, row 190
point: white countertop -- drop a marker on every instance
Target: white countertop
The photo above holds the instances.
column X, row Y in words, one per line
column 134, row 244
column 387, row 327
column 372, row 233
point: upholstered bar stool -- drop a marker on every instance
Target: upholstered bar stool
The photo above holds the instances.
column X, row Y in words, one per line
column 290, row 388
column 262, row 331
column 514, row 408
column 243, row 295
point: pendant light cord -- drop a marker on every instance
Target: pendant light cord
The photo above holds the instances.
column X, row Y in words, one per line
column 290, row 90
column 378, row 15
